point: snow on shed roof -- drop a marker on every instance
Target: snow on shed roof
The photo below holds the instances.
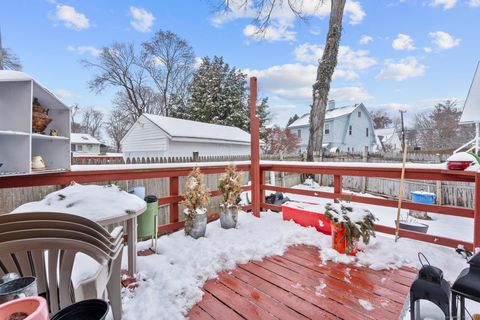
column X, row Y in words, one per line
column 188, row 130
column 83, row 138
column 334, row 113
column 471, row 110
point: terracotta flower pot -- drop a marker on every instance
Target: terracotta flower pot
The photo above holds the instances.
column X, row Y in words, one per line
column 35, row 308
column 340, row 244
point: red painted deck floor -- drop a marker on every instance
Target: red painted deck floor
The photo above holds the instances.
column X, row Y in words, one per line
column 296, row 286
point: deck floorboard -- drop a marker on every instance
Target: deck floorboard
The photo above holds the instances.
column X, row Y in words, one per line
column 297, row 285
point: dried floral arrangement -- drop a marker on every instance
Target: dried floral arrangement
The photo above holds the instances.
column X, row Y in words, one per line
column 358, row 223
column 230, row 185
column 195, row 198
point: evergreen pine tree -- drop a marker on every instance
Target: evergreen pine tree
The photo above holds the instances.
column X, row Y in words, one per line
column 219, row 95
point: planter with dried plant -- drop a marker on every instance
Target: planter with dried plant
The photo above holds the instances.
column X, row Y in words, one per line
column 230, row 185
column 195, row 201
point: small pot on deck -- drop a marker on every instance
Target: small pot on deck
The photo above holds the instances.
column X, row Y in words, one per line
column 93, row 309
column 228, row 216
column 196, row 224
column 339, row 241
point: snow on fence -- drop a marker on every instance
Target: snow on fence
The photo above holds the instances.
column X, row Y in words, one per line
column 193, row 158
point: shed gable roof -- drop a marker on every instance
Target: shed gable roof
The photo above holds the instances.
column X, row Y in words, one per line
column 180, row 129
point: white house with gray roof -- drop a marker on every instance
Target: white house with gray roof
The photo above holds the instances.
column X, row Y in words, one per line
column 158, row 136
column 347, row 129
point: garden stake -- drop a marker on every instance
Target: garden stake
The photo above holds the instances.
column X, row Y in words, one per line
column 400, row 196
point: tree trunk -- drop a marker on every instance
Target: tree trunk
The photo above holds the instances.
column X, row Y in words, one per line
column 325, row 70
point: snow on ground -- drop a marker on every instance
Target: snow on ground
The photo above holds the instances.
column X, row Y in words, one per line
column 171, row 282
column 442, row 225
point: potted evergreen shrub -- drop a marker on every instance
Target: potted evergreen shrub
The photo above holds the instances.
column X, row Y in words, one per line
column 195, row 201
column 230, row 185
column 349, row 225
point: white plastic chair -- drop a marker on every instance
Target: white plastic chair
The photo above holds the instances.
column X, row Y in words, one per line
column 53, row 260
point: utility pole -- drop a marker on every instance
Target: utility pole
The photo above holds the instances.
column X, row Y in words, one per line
column 403, row 128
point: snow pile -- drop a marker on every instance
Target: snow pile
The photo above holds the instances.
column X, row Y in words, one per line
column 439, row 225
column 462, row 156
column 340, row 213
column 174, row 277
column 171, row 282
column 94, row 202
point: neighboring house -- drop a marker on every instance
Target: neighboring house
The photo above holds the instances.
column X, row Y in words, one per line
column 347, row 129
column 84, row 143
column 388, row 139
column 158, row 136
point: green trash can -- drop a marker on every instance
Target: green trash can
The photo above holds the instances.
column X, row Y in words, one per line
column 146, row 221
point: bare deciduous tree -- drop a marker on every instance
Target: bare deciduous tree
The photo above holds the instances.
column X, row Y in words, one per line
column 119, row 67
column 151, row 103
column 76, row 127
column 8, row 59
column 380, row 119
column 440, row 128
column 117, row 126
column 92, row 122
column 327, row 63
column 169, row 60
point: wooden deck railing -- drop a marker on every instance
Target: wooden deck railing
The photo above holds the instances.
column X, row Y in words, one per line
column 338, row 170
column 386, row 171
column 107, row 173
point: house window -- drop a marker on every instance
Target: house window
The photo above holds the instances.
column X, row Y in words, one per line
column 367, row 132
column 327, row 128
column 299, row 133
column 79, row 147
column 350, row 130
column 359, row 114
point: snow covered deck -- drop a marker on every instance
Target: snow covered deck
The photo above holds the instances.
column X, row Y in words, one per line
column 297, row 285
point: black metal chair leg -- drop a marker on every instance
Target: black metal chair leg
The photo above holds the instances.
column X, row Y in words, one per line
column 462, row 307
column 454, row 306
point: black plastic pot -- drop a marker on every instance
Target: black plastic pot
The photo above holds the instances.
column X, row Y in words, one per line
column 94, row 309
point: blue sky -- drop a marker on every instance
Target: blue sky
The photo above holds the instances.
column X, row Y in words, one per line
column 395, row 54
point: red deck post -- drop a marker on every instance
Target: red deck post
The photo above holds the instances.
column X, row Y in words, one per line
column 337, row 184
column 255, row 148
column 476, row 217
column 173, row 206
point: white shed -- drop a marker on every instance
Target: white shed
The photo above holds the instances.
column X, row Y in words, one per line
column 158, row 136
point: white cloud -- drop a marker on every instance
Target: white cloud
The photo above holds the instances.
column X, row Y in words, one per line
column 283, row 107
column 71, row 18
column 350, row 61
column 427, row 49
column 282, row 17
column 365, row 40
column 142, row 20
column 446, row 4
column 403, row 42
column 401, row 70
column 443, row 40
column 349, row 94
column 416, row 106
column 85, row 49
column 294, row 82
column 270, row 33
column 64, row 94
column 474, row 3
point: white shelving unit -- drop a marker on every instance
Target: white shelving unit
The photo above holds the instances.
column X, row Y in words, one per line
column 17, row 142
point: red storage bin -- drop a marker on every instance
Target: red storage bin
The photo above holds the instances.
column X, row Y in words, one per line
column 307, row 218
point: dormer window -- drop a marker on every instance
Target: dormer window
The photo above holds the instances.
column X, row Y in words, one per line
column 350, row 130
column 359, row 114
